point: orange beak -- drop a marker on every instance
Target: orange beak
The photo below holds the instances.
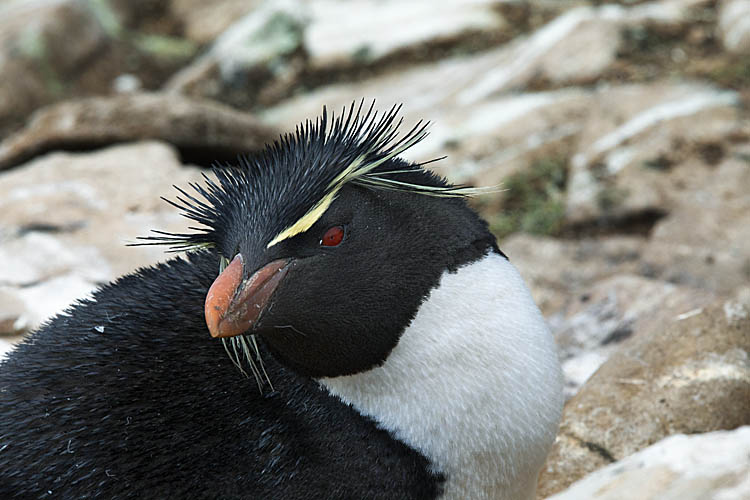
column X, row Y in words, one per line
column 233, row 305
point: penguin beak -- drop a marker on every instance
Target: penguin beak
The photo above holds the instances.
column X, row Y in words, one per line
column 233, row 305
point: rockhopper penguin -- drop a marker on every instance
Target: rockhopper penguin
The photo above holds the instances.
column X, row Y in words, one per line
column 392, row 351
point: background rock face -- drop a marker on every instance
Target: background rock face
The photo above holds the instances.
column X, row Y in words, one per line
column 686, row 374
column 711, row 465
column 203, row 131
column 66, row 221
column 619, row 130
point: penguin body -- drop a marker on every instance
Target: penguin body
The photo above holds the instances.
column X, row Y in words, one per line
column 397, row 353
column 110, row 400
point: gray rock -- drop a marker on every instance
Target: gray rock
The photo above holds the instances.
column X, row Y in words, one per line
column 593, row 297
column 56, row 49
column 282, row 45
column 459, row 83
column 47, row 298
column 689, row 375
column 203, row 21
column 734, row 25
column 489, row 131
column 712, row 465
column 254, row 61
column 126, row 84
column 614, row 309
column 38, row 35
column 5, row 348
column 562, row 272
column 634, row 135
column 576, row 46
column 203, row 131
column 488, row 141
column 705, row 240
column 13, row 316
column 345, row 34
column 67, row 218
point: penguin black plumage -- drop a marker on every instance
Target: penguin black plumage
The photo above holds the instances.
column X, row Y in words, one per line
column 396, row 352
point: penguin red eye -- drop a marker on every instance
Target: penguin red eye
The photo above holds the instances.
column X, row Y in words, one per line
column 332, row 237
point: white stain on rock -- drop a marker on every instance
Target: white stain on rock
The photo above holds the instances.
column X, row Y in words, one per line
column 732, row 365
column 712, row 465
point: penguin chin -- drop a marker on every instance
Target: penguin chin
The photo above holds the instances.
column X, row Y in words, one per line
column 318, row 360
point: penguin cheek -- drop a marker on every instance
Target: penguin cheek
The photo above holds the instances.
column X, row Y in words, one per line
column 329, row 343
column 326, row 319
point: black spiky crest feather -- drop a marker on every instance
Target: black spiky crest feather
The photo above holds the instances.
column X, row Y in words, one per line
column 284, row 189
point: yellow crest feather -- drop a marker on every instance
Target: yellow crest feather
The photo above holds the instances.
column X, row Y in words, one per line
column 307, row 220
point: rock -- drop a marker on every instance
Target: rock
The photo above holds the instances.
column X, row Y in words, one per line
column 13, row 317
column 576, row 46
column 126, row 84
column 712, row 465
column 611, row 311
column 569, row 46
column 503, row 135
column 562, row 272
column 734, row 25
column 56, row 49
column 460, row 83
column 37, row 52
column 257, row 59
column 47, row 298
column 494, row 131
column 593, row 296
column 690, row 375
column 281, row 46
column 579, row 367
column 634, row 135
column 342, row 35
column 5, row 348
column 25, row 257
column 204, row 132
column 202, row 22
column 39, row 30
column 67, row 218
column 713, row 202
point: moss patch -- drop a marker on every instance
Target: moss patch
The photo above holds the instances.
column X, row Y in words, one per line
column 732, row 72
column 534, row 200
column 164, row 46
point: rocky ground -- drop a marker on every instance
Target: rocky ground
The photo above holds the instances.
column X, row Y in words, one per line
column 620, row 131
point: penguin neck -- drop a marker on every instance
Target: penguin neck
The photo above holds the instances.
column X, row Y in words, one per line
column 474, row 383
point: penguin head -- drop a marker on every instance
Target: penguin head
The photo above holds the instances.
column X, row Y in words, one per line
column 329, row 243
